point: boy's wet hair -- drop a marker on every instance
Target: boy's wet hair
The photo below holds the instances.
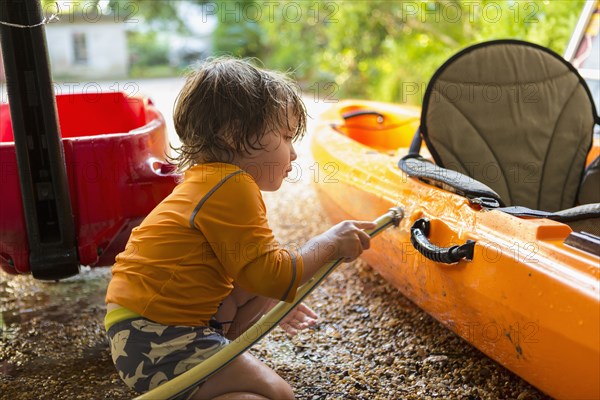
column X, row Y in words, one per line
column 226, row 107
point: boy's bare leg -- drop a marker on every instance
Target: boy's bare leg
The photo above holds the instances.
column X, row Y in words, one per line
column 250, row 308
column 240, row 310
column 244, row 309
column 245, row 378
column 239, row 396
column 259, row 381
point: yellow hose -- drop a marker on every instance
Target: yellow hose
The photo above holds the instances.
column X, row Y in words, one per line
column 214, row 363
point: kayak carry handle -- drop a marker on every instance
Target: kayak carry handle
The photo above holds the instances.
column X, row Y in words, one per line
column 352, row 114
column 447, row 255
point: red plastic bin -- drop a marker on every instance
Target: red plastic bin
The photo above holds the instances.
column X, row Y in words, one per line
column 115, row 153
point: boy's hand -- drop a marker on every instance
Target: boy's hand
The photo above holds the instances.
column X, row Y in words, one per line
column 299, row 318
column 349, row 239
column 346, row 240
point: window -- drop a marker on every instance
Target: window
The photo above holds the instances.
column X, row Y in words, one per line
column 80, row 48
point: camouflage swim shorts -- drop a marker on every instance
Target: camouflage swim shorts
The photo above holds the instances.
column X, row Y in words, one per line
column 148, row 354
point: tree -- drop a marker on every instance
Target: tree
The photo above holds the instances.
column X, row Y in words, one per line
column 388, row 50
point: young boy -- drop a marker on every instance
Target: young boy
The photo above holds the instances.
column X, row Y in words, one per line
column 203, row 266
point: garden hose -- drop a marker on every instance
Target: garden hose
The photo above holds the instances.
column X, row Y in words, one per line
column 264, row 325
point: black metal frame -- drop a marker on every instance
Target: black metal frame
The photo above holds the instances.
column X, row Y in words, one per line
column 40, row 158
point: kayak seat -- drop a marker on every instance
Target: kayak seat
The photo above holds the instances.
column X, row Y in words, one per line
column 589, row 193
column 589, row 189
column 478, row 193
column 517, row 118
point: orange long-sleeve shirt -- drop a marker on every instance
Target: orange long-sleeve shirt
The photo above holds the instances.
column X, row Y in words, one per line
column 212, row 231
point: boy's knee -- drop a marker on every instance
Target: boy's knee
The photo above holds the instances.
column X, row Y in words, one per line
column 281, row 391
column 275, row 387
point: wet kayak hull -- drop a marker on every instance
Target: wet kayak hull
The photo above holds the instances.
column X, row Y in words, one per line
column 526, row 299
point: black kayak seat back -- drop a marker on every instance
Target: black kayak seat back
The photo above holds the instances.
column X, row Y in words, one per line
column 589, row 189
column 518, row 118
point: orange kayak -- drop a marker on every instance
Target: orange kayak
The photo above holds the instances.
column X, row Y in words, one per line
column 525, row 298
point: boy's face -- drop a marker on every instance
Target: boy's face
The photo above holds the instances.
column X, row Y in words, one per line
column 271, row 165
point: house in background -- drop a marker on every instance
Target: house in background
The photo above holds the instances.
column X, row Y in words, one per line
column 83, row 47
